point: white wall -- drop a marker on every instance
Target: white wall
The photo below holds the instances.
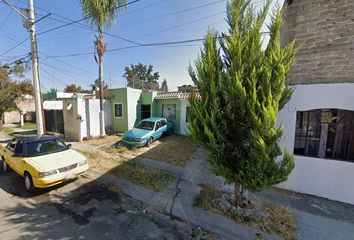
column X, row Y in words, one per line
column 53, row 105
column 322, row 177
column 82, row 120
column 183, row 124
column 11, row 117
column 133, row 96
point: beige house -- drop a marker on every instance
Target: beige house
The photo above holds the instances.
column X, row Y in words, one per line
column 26, row 108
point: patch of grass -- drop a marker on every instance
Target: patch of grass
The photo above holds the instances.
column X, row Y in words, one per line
column 29, row 126
column 277, row 219
column 153, row 178
column 8, row 130
column 120, row 147
column 176, row 150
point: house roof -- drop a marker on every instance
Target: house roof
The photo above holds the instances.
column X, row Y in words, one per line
column 174, row 95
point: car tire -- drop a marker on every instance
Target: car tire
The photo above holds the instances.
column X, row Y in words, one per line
column 149, row 141
column 5, row 167
column 28, row 182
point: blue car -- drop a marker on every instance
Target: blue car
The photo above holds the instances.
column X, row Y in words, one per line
column 147, row 131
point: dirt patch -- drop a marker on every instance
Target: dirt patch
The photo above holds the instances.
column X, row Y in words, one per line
column 102, row 163
column 175, row 150
column 109, row 139
column 269, row 217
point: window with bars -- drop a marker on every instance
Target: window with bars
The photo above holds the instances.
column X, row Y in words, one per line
column 118, row 110
column 325, row 133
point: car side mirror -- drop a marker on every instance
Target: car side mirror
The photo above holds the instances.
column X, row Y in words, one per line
column 69, row 145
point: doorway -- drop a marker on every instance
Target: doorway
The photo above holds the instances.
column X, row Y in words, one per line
column 145, row 111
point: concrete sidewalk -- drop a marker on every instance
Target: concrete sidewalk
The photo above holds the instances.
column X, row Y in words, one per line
column 317, row 218
column 178, row 198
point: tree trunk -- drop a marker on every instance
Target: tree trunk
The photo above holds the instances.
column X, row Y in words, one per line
column 100, row 53
column 1, row 122
column 237, row 197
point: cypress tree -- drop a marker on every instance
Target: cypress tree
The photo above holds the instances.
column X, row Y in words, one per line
column 242, row 87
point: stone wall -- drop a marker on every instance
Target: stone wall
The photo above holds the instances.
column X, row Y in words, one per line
column 324, row 34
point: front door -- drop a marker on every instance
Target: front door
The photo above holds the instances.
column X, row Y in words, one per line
column 145, row 111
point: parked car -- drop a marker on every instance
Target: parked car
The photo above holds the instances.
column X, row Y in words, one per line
column 43, row 162
column 147, row 131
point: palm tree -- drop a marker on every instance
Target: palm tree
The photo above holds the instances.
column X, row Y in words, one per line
column 101, row 13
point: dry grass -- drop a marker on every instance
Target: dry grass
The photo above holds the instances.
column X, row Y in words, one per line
column 153, row 178
column 176, row 150
column 29, row 126
column 278, row 219
column 120, row 147
column 102, row 141
column 102, row 163
column 8, row 131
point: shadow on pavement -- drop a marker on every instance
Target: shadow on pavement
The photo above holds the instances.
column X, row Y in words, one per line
column 13, row 184
column 83, row 210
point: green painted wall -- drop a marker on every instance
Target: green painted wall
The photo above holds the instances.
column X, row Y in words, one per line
column 146, row 98
column 158, row 110
column 119, row 96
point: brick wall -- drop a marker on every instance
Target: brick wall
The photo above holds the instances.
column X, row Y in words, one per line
column 324, row 33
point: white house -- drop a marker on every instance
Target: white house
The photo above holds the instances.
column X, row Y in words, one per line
column 319, row 118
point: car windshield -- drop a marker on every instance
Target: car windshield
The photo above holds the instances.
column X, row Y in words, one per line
column 145, row 125
column 45, row 147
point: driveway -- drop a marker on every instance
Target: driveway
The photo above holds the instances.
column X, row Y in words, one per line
column 82, row 209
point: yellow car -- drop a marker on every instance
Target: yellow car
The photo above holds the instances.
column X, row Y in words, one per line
column 43, row 162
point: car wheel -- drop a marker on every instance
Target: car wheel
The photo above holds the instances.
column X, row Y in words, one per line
column 149, row 141
column 5, row 167
column 29, row 182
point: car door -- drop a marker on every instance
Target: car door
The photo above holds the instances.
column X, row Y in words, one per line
column 9, row 152
column 158, row 130
column 18, row 158
column 163, row 126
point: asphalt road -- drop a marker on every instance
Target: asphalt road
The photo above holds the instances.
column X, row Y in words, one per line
column 81, row 209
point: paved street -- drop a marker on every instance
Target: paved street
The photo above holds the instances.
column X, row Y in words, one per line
column 82, row 209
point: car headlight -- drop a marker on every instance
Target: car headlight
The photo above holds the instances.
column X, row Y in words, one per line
column 44, row 174
column 82, row 163
column 139, row 139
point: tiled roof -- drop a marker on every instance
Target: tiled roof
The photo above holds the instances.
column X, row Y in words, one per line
column 173, row 95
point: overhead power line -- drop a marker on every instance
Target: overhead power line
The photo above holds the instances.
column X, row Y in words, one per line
column 82, row 19
column 68, row 24
column 15, row 46
column 150, row 19
column 9, row 15
column 173, row 13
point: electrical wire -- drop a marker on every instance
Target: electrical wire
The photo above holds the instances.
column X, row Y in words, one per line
column 68, row 24
column 9, row 15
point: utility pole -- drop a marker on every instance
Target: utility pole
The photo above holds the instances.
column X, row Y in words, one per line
column 35, row 70
column 29, row 23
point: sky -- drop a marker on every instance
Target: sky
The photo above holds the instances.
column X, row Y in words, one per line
column 66, row 53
